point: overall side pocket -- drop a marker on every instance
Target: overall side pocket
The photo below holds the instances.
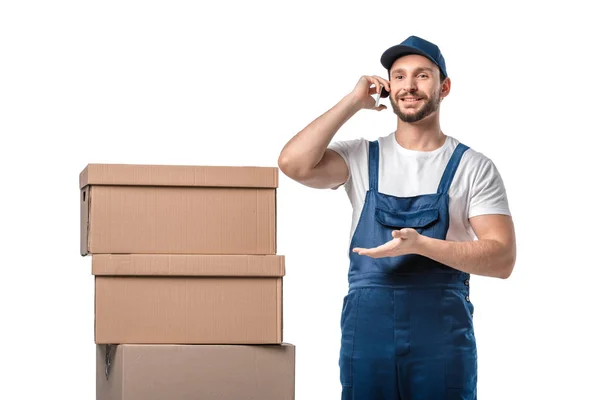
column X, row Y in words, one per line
column 461, row 351
column 348, row 327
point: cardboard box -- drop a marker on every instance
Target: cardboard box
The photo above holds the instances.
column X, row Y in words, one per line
column 157, row 209
column 194, row 372
column 188, row 299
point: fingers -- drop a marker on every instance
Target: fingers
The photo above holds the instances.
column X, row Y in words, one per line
column 367, row 86
column 378, row 86
column 379, row 82
column 375, row 252
column 364, row 252
column 369, row 253
column 376, row 83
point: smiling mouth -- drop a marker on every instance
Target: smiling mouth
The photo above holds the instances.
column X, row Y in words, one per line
column 411, row 99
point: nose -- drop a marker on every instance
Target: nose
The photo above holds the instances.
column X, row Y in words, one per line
column 410, row 85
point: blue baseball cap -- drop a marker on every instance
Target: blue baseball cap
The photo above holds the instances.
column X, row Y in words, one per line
column 414, row 45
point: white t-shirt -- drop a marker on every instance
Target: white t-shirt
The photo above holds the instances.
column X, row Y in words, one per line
column 477, row 187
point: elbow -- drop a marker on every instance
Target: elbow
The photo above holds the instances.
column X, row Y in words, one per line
column 285, row 165
column 505, row 273
column 289, row 167
column 506, row 261
column 506, row 269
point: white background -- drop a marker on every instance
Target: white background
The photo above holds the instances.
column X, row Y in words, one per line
column 179, row 82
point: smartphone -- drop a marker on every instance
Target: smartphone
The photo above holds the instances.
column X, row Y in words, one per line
column 382, row 93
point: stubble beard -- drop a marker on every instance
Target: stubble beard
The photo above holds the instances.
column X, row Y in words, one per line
column 430, row 106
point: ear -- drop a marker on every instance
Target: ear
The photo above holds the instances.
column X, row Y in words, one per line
column 446, row 84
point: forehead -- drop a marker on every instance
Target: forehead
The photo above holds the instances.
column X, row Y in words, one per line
column 412, row 62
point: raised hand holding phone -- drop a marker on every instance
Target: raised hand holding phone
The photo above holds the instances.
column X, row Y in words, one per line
column 366, row 87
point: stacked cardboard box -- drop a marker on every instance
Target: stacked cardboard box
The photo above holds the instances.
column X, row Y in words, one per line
column 188, row 285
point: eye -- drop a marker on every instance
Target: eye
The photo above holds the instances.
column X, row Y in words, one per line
column 422, row 75
column 399, row 77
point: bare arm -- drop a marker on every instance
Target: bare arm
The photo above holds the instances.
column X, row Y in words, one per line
column 493, row 254
column 306, row 159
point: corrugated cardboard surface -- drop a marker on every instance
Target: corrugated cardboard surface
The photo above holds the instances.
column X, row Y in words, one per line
column 188, row 265
column 175, row 209
column 218, row 372
column 178, row 220
column 178, row 175
column 193, row 299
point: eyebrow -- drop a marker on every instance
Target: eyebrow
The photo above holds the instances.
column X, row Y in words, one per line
column 416, row 70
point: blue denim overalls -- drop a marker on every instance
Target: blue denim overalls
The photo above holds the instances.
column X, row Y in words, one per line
column 407, row 328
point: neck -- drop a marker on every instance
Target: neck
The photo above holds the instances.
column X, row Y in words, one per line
column 424, row 135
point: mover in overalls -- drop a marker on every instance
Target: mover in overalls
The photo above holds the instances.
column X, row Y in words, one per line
column 428, row 211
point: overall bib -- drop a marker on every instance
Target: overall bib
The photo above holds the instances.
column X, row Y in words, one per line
column 407, row 328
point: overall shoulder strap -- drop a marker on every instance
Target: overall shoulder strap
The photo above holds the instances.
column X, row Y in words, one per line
column 373, row 165
column 451, row 168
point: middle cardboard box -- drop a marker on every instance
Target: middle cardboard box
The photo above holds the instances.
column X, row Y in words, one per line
column 188, row 299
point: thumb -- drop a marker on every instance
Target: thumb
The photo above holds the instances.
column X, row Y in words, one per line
column 400, row 234
column 380, row 107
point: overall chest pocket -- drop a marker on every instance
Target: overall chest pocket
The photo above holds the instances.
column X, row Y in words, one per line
column 418, row 220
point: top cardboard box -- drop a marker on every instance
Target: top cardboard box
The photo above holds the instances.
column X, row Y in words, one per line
column 175, row 209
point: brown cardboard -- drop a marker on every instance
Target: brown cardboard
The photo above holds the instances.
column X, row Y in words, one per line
column 188, row 265
column 178, row 175
column 188, row 299
column 156, row 209
column 192, row 372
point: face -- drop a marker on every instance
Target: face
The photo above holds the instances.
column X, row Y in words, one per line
column 415, row 86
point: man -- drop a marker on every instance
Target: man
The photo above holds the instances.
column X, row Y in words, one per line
column 428, row 212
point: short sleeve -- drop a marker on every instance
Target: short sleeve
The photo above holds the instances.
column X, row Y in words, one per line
column 346, row 149
column 488, row 194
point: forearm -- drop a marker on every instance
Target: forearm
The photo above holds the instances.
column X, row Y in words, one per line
column 304, row 151
column 486, row 257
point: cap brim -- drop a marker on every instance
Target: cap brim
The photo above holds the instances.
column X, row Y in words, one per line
column 393, row 53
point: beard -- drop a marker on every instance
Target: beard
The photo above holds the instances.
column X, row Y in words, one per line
column 430, row 106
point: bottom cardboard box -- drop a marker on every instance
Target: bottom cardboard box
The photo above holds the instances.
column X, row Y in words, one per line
column 194, row 372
